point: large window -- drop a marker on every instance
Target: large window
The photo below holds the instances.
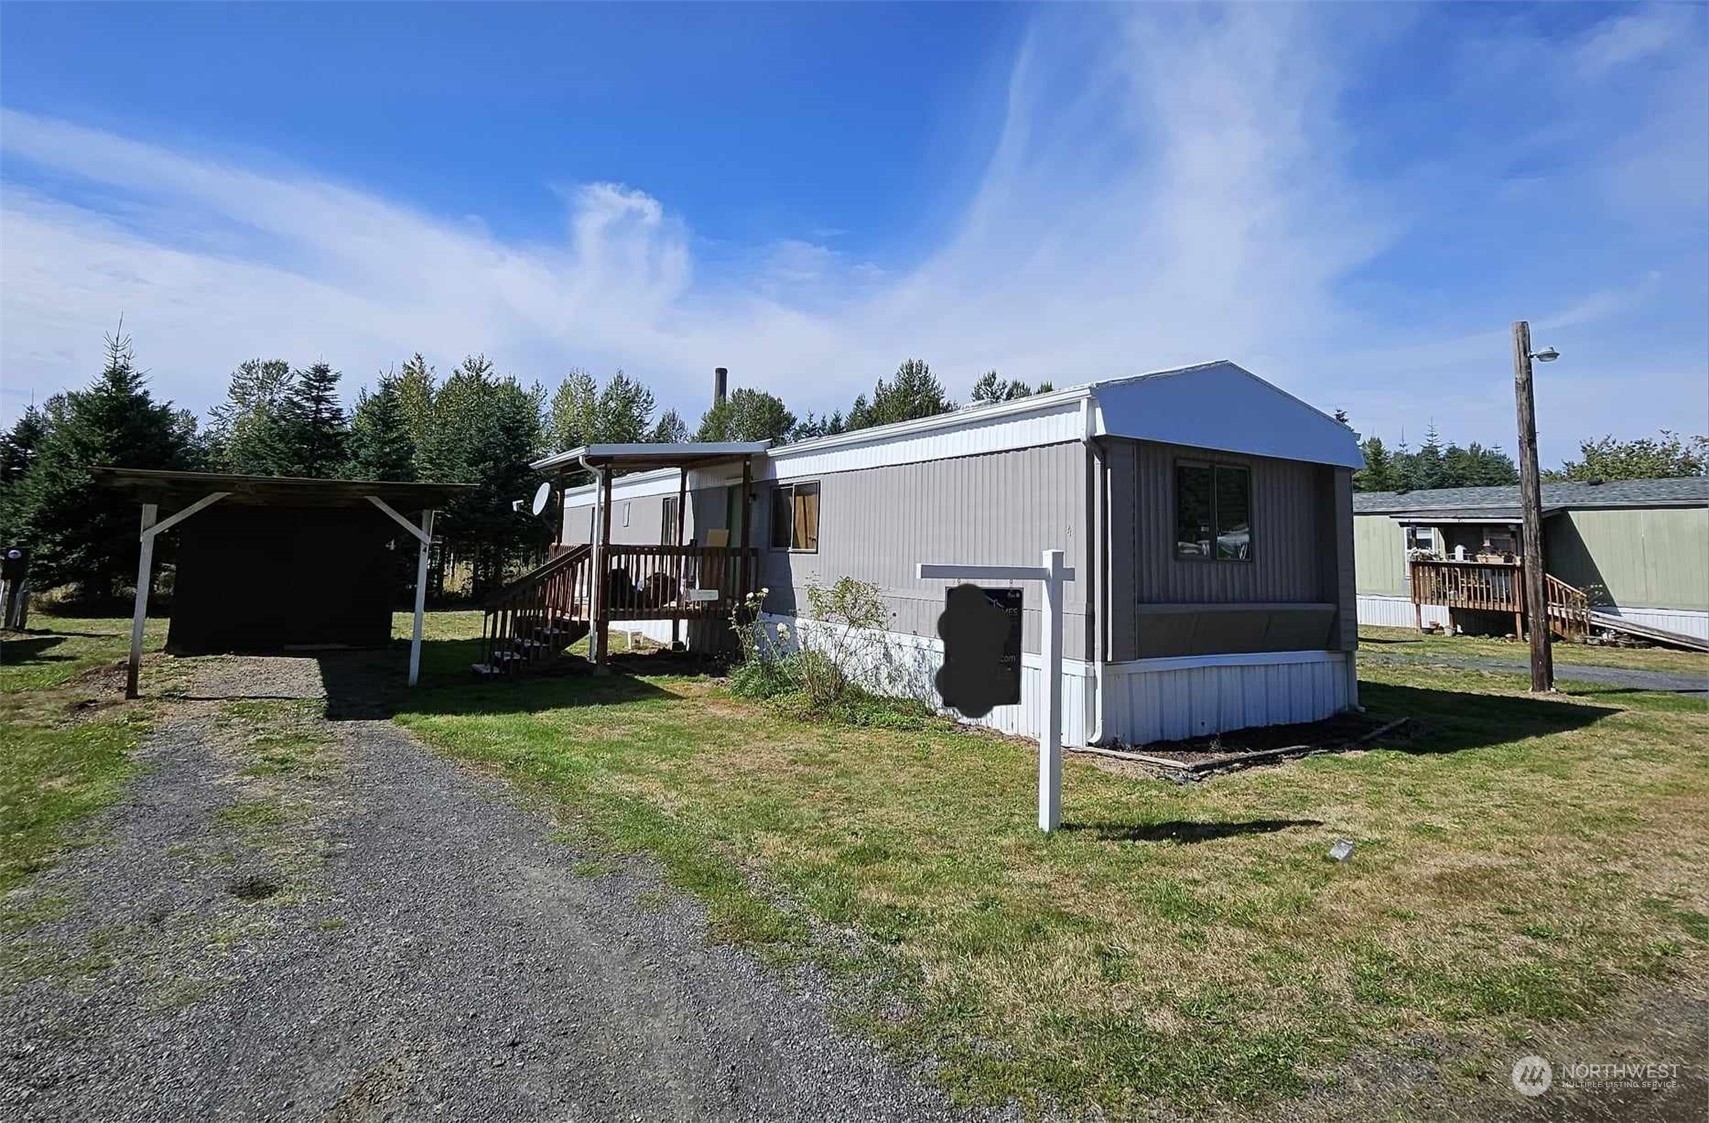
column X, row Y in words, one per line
column 795, row 517
column 1213, row 512
column 667, row 522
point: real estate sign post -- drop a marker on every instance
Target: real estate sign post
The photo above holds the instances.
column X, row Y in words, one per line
column 1052, row 573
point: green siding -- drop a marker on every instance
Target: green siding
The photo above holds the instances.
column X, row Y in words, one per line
column 1379, row 555
column 1654, row 557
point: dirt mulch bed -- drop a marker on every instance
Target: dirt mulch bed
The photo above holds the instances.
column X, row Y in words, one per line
column 1197, row 757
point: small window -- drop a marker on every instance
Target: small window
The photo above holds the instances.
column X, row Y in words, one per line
column 1421, row 539
column 795, row 517
column 1213, row 512
column 667, row 522
column 626, row 507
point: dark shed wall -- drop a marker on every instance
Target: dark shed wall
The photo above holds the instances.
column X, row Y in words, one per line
column 264, row 579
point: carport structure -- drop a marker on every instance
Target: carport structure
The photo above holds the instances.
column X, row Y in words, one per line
column 279, row 562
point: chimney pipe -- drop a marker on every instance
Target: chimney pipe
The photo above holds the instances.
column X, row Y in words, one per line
column 720, row 384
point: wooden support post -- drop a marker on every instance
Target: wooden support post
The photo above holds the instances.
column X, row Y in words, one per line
column 144, row 578
column 1532, row 562
column 681, row 514
column 420, row 594
column 597, row 639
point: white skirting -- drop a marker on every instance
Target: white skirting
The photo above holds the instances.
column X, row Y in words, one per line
column 1144, row 700
column 1682, row 620
column 1396, row 612
column 1168, row 699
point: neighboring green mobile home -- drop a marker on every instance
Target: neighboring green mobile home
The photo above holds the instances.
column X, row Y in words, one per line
column 1640, row 548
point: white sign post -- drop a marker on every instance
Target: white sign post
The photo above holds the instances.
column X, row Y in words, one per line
column 1052, row 573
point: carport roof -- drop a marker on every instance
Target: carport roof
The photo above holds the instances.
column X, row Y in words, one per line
column 173, row 489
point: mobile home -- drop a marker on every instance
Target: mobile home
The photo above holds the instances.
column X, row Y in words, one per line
column 1207, row 515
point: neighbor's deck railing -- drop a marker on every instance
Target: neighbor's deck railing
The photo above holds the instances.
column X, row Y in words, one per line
column 1495, row 587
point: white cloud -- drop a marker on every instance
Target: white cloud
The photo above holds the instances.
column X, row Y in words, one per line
column 1169, row 186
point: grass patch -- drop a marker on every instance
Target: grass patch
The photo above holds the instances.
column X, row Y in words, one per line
column 68, row 741
column 1406, row 641
column 1520, row 862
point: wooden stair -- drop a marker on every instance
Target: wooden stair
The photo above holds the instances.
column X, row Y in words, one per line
column 531, row 622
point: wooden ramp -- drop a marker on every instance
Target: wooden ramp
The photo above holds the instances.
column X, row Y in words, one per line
column 1645, row 631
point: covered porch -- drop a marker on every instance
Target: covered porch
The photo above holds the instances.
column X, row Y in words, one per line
column 584, row 587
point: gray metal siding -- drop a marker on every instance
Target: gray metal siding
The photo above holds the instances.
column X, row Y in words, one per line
column 1302, row 555
column 644, row 515
column 876, row 524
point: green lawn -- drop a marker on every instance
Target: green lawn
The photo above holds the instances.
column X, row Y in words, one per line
column 1521, row 864
column 1407, row 641
column 68, row 733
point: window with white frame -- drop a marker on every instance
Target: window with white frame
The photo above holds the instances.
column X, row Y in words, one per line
column 795, row 517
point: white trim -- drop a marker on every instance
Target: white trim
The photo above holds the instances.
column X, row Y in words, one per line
column 424, row 535
column 177, row 517
column 1232, row 659
column 1385, row 610
column 1685, row 621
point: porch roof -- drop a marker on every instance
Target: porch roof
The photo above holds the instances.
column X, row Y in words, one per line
column 172, row 489
column 685, row 454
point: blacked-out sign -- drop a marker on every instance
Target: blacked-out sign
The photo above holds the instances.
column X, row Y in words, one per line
column 981, row 630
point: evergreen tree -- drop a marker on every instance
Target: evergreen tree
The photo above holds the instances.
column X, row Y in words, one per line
column 313, row 423
column 746, row 415
column 380, row 445
column 82, row 535
column 914, row 392
column 1378, row 474
column 624, row 412
column 247, row 432
column 18, row 446
column 670, row 430
column 416, row 388
column 811, row 426
column 992, row 388
column 574, row 411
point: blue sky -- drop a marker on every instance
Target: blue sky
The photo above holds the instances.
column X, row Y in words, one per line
column 1353, row 201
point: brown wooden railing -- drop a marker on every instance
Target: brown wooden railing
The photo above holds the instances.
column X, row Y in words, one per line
column 528, row 620
column 678, row 582
column 1495, row 587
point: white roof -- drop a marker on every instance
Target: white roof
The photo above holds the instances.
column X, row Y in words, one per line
column 1218, row 406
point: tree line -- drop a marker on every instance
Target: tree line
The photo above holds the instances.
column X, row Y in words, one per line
column 473, row 425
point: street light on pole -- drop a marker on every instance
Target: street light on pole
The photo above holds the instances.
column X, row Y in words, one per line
column 1536, row 593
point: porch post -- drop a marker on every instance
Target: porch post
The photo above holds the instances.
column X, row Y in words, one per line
column 144, row 578
column 601, row 578
column 681, row 512
column 747, row 510
column 420, row 594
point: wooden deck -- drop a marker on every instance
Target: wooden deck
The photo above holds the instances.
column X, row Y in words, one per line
column 1491, row 586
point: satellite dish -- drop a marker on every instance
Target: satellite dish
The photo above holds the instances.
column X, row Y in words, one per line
column 541, row 495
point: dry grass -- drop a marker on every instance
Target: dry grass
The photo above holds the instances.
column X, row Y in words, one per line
column 1521, row 864
column 1411, row 642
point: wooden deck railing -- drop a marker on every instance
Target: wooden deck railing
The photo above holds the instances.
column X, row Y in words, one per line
column 1495, row 587
column 678, row 582
column 520, row 619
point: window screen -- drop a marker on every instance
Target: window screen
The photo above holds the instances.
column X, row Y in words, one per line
column 1213, row 512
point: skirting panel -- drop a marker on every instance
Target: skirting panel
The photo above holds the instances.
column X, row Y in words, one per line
column 1168, row 699
column 1396, row 612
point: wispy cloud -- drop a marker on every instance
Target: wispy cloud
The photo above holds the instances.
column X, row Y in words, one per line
column 1171, row 185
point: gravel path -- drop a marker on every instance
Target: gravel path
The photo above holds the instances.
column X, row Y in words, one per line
column 366, row 931
column 1669, row 682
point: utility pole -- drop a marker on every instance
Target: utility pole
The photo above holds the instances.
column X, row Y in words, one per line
column 1531, row 505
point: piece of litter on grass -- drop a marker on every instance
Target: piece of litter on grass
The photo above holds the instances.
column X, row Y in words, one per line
column 1342, row 850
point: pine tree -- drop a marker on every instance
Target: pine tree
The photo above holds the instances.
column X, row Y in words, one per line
column 992, row 388
column 82, row 535
column 746, row 415
column 313, row 423
column 380, row 445
column 247, row 432
column 416, row 388
column 1378, row 474
column 624, row 412
column 915, row 392
column 18, row 447
column 670, row 430
column 811, row 426
column 574, row 411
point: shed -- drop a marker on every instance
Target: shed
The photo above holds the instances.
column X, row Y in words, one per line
column 268, row 563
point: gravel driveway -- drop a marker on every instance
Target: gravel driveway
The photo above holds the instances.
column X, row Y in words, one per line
column 300, row 919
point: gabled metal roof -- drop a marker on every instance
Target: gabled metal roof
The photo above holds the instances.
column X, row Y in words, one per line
column 1502, row 502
